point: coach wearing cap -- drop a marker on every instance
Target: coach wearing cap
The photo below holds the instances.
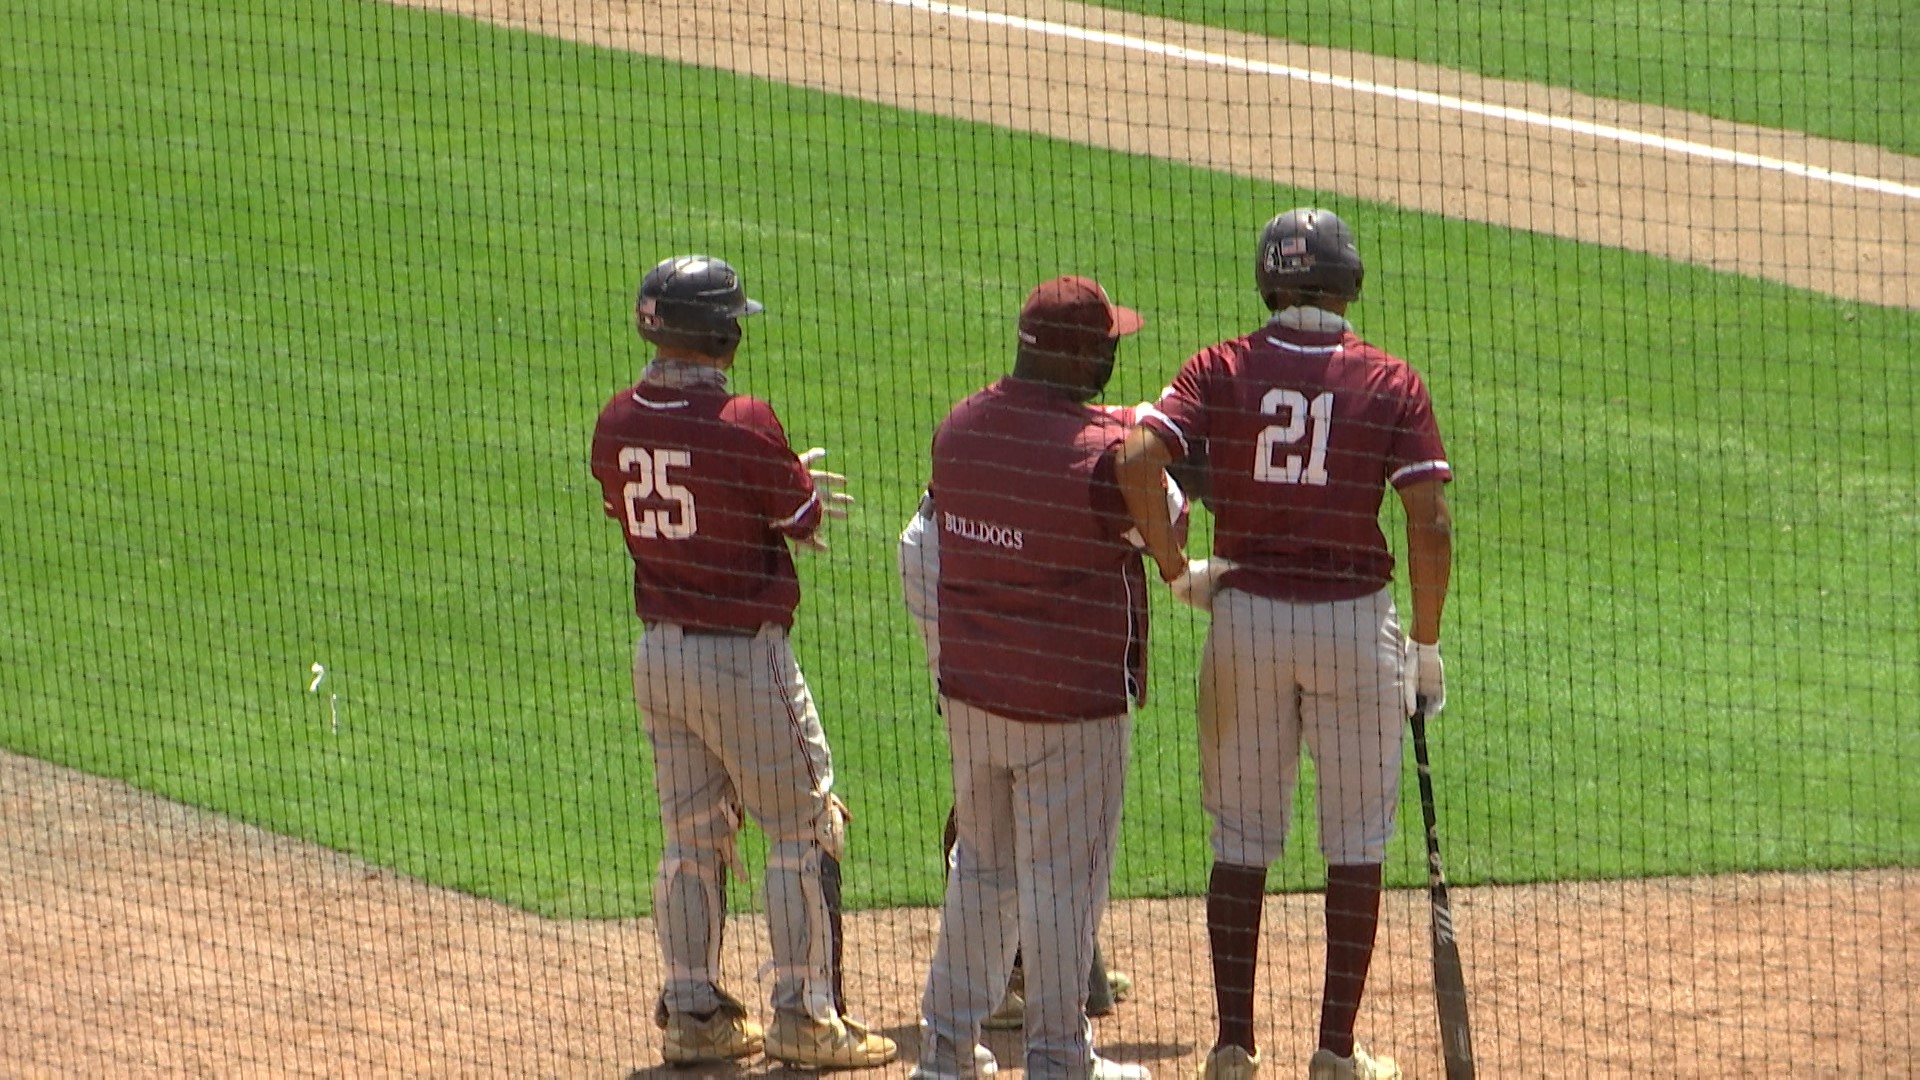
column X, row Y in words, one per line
column 1042, row 650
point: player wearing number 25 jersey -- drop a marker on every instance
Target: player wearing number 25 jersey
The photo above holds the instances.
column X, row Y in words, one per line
column 710, row 492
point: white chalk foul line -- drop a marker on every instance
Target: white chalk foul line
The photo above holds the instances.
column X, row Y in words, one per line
column 1416, row 97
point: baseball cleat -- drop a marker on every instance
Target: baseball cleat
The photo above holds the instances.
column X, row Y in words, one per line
column 1230, row 1063
column 1119, row 986
column 1327, row 1065
column 1009, row 1015
column 1104, row 1069
column 801, row 1042
column 724, row 1035
column 984, row 1065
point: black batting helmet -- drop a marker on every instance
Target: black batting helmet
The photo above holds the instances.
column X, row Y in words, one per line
column 692, row 300
column 1309, row 250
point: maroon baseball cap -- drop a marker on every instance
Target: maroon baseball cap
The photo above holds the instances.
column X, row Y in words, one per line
column 1069, row 314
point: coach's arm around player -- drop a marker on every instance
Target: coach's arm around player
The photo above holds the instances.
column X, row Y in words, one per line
column 1140, row 469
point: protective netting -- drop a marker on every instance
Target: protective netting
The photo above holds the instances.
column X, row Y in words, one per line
column 318, row 745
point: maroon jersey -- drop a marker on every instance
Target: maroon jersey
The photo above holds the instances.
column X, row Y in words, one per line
column 1304, row 430
column 1042, row 598
column 708, row 490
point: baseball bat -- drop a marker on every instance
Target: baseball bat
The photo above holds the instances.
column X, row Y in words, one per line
column 1449, row 979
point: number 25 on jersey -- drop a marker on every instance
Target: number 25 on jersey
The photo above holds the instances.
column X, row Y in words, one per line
column 1306, row 421
column 650, row 483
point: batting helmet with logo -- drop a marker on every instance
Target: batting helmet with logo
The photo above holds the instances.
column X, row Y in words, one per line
column 693, row 300
column 1307, row 250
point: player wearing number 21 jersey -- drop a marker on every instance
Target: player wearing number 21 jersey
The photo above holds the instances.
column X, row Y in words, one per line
column 1305, row 426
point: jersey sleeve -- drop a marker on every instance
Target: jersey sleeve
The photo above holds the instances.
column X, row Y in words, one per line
column 1417, row 453
column 785, row 488
column 1179, row 418
column 603, row 460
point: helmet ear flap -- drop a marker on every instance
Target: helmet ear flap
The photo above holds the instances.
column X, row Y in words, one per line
column 1359, row 278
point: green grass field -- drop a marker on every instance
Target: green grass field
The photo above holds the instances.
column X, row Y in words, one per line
column 314, row 312
column 1843, row 71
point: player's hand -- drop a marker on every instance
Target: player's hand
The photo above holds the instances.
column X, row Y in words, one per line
column 1426, row 676
column 1199, row 581
column 833, row 500
column 830, row 485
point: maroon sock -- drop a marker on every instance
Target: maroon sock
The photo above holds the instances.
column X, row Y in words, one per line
column 1234, row 896
column 1353, row 919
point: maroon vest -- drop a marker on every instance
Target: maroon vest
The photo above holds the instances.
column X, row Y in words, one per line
column 1042, row 599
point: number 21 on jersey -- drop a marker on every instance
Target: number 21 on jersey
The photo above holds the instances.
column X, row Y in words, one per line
column 650, row 483
column 1306, row 421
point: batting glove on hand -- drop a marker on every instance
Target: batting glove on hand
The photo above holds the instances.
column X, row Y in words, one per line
column 1199, row 581
column 1426, row 676
column 828, row 486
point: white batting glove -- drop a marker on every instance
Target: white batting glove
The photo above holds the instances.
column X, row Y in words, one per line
column 833, row 500
column 1426, row 677
column 1197, row 583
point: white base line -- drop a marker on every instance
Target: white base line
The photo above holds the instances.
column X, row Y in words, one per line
column 1416, row 97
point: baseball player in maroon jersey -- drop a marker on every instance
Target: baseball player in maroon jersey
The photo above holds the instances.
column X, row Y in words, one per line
column 709, row 495
column 1307, row 426
column 1042, row 647
column 918, row 554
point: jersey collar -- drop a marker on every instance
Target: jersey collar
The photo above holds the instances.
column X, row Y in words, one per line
column 1312, row 320
column 681, row 375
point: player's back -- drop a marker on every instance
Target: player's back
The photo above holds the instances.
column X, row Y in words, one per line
column 1037, row 586
column 703, row 481
column 1020, row 457
column 1305, row 429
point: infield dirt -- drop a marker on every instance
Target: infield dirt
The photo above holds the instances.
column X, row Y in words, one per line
column 142, row 937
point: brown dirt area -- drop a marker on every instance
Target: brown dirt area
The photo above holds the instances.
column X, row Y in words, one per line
column 142, row 937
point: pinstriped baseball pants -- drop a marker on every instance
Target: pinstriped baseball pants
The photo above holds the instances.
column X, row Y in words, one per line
column 733, row 726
